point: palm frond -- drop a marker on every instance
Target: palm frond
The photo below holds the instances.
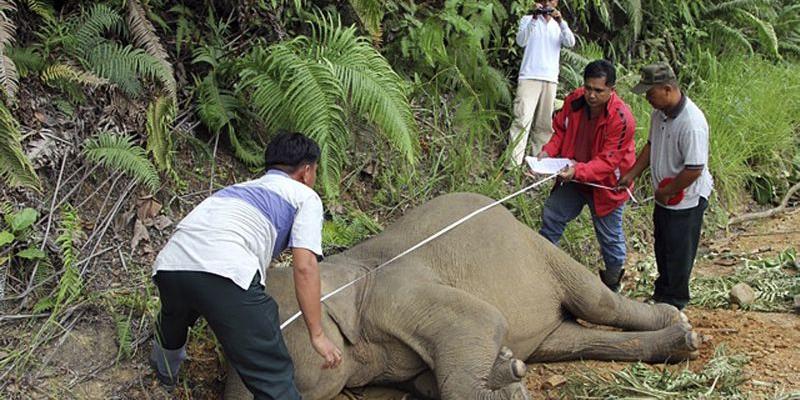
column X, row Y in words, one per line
column 729, row 34
column 633, row 9
column 731, row 5
column 118, row 152
column 144, row 35
column 769, row 40
column 15, row 168
column 160, row 116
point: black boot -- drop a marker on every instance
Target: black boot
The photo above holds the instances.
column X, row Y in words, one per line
column 612, row 278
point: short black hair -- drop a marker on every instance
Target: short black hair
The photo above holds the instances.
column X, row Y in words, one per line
column 601, row 69
column 289, row 151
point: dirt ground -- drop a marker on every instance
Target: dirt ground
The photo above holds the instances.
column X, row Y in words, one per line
column 85, row 367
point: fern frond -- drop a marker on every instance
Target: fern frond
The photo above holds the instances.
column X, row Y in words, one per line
column 216, row 107
column 100, row 19
column 70, row 73
column 41, row 9
column 245, row 150
column 373, row 89
column 160, row 116
column 123, row 65
column 9, row 80
column 124, row 336
column 731, row 5
column 144, row 35
column 119, row 153
column 15, row 168
column 26, row 59
column 69, row 230
column 290, row 85
column 370, row 12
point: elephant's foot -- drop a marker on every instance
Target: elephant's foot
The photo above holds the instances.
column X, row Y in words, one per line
column 679, row 343
column 506, row 369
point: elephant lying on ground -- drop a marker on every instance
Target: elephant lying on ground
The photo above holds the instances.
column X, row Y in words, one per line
column 455, row 318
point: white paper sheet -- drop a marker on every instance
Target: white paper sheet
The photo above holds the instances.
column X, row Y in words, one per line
column 547, row 166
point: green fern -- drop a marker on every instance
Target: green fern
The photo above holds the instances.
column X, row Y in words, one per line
column 118, row 152
column 124, row 335
column 9, row 80
column 42, row 9
column 160, row 115
column 26, row 59
column 70, row 285
column 15, row 168
column 306, row 84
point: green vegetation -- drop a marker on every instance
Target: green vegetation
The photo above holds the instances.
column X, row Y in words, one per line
column 719, row 379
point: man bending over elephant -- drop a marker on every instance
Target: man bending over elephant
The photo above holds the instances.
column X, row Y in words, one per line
column 215, row 264
column 595, row 128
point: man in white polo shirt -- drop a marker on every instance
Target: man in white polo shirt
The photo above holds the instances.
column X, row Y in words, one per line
column 677, row 153
column 215, row 263
column 541, row 34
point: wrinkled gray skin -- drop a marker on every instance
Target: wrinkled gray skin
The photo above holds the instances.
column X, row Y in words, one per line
column 454, row 318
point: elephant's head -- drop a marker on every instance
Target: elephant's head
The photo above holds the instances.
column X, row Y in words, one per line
column 341, row 321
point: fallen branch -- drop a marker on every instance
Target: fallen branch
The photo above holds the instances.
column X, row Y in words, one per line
column 768, row 213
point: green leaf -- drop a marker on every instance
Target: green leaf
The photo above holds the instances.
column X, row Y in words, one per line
column 31, row 253
column 43, row 304
column 6, row 237
column 24, row 219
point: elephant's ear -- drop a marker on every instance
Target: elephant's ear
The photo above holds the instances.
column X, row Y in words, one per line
column 346, row 306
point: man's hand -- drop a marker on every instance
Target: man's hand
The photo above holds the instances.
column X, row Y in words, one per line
column 661, row 196
column 567, row 173
column 625, row 182
column 556, row 16
column 542, row 154
column 328, row 351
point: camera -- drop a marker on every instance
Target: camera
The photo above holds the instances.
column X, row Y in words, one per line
column 542, row 11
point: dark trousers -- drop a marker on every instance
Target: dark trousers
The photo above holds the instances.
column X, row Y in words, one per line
column 677, row 234
column 244, row 321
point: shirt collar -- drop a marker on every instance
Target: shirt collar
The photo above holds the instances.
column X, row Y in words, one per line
column 275, row 171
column 673, row 112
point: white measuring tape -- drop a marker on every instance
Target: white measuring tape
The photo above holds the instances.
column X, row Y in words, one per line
column 422, row 243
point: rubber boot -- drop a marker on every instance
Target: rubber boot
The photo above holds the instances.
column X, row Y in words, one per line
column 612, row 277
column 167, row 363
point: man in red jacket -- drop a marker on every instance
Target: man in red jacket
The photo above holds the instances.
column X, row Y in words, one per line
column 595, row 129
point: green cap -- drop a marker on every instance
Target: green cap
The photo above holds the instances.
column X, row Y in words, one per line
column 652, row 75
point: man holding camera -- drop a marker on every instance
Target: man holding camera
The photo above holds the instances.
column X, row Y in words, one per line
column 541, row 34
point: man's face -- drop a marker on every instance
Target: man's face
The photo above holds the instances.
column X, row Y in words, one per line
column 549, row 3
column 597, row 91
column 658, row 97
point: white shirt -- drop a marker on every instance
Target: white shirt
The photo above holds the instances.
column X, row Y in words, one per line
column 678, row 143
column 542, row 41
column 238, row 230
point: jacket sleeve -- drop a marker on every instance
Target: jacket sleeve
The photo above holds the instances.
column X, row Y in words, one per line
column 553, row 147
column 618, row 136
column 524, row 30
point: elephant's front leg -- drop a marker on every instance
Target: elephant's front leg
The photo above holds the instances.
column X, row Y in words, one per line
column 459, row 336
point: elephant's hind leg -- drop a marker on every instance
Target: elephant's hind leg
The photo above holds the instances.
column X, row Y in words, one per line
column 590, row 300
column 460, row 337
column 572, row 341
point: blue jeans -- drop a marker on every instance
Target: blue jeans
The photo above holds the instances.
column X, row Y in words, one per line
column 565, row 204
